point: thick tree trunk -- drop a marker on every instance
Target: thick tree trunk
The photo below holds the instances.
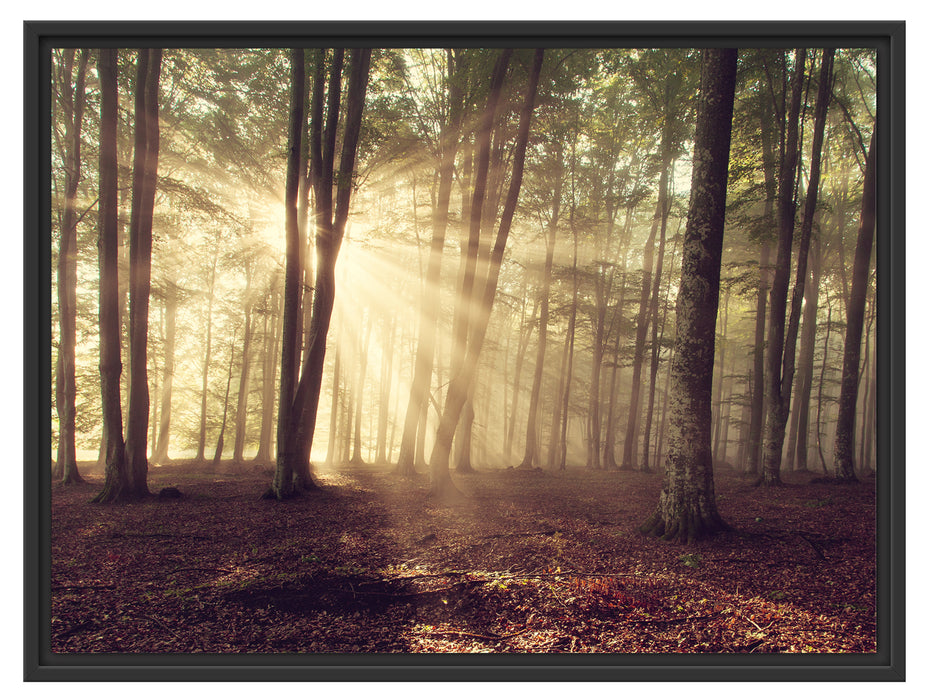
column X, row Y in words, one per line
column 116, row 484
column 73, row 100
column 145, row 173
column 847, row 402
column 687, row 508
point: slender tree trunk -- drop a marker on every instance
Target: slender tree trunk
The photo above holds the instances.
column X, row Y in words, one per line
column 202, row 440
column 384, row 395
column 530, row 447
column 847, row 402
column 776, row 398
column 168, row 374
column 73, row 100
column 116, row 484
column 242, row 396
column 441, row 483
column 426, row 346
column 687, row 507
column 226, row 405
column 356, row 458
column 807, row 358
column 145, row 173
column 270, row 352
column 719, row 406
column 657, row 337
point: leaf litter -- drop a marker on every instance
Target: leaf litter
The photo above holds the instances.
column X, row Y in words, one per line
column 529, row 562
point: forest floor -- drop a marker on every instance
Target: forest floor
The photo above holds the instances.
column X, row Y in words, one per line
column 530, row 561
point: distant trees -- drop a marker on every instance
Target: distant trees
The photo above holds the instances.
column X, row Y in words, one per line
column 522, row 286
column 687, row 507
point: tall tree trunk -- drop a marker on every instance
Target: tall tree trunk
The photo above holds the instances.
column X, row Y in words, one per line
column 160, row 455
column 780, row 382
column 145, row 173
column 657, row 337
column 270, row 352
column 296, row 432
column 643, row 315
column 426, row 346
column 777, row 399
column 116, row 484
column 530, row 446
column 242, row 396
column 807, row 358
column 356, row 458
column 719, row 405
column 847, row 402
column 384, row 394
column 73, row 100
column 441, row 483
column 202, row 439
column 687, row 507
column 283, row 482
column 218, row 454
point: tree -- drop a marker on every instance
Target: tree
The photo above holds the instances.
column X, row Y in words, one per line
column 687, row 508
column 847, row 402
column 782, row 337
column 116, row 484
column 298, row 398
column 442, row 486
column 426, row 346
column 72, row 101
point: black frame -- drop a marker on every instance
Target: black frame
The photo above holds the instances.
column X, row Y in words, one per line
column 888, row 664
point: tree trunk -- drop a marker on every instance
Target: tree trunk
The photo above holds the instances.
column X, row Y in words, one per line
column 847, row 402
column 242, row 396
column 442, row 486
column 718, row 404
column 426, row 346
column 145, row 173
column 687, row 508
column 73, row 100
column 270, row 351
column 160, row 455
column 780, row 382
column 116, row 483
column 807, row 358
column 226, row 405
column 202, row 440
column 530, row 446
column 296, row 431
column 777, row 399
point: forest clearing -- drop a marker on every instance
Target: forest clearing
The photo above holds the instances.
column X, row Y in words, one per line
column 529, row 561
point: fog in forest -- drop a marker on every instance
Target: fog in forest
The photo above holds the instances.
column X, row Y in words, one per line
column 573, row 360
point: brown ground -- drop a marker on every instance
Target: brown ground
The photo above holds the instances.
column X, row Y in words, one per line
column 531, row 562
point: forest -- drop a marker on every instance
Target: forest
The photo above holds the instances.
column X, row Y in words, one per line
column 463, row 350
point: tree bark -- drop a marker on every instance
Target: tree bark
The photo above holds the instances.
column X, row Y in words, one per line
column 426, row 346
column 145, row 173
column 530, row 445
column 687, row 507
column 116, row 483
column 442, row 486
column 160, row 455
column 73, row 100
column 847, row 402
column 777, row 399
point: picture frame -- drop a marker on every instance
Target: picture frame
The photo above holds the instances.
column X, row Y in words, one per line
column 888, row 39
